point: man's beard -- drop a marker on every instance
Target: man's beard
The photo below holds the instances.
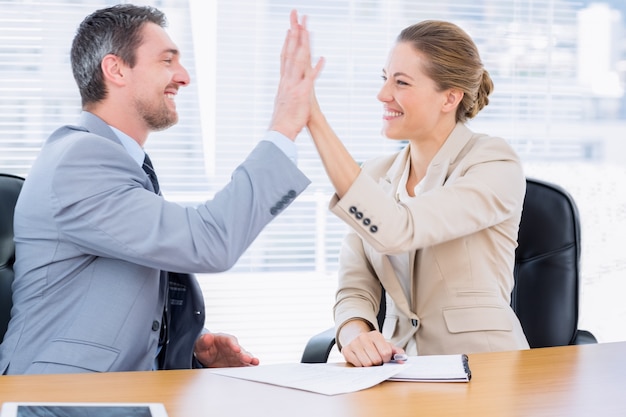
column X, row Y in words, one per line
column 156, row 118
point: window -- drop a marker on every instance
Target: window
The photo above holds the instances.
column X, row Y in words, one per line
column 558, row 67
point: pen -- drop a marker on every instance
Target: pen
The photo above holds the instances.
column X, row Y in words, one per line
column 400, row 357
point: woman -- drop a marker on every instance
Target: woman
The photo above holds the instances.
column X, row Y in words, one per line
column 436, row 224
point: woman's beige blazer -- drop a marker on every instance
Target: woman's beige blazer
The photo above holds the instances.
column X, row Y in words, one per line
column 460, row 233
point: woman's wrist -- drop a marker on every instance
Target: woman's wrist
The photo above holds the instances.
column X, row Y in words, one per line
column 351, row 329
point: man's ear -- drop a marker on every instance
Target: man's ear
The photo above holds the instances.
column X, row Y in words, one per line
column 453, row 98
column 113, row 70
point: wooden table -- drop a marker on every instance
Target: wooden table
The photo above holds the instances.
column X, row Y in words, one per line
column 587, row 380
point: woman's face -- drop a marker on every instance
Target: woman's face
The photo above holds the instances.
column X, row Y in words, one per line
column 412, row 103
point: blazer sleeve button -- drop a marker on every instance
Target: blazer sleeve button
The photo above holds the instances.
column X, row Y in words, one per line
column 374, row 229
column 352, row 210
column 366, row 221
column 156, row 326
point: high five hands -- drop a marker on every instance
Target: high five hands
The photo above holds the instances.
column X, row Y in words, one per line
column 297, row 77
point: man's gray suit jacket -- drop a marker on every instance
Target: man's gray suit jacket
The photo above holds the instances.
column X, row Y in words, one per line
column 92, row 239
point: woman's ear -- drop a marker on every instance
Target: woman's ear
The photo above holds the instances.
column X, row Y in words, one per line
column 453, row 98
column 113, row 70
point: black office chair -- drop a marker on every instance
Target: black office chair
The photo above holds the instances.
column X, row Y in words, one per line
column 10, row 186
column 547, row 274
column 547, row 268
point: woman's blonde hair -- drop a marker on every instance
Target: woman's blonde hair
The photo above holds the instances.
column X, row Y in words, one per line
column 452, row 62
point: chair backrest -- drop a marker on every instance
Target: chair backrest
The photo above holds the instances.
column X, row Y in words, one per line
column 10, row 186
column 545, row 296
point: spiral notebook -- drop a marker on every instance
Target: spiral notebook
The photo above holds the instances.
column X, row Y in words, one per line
column 435, row 368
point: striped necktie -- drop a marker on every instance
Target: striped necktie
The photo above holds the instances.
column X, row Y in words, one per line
column 149, row 169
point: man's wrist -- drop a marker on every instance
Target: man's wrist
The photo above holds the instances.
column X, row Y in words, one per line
column 286, row 145
column 286, row 131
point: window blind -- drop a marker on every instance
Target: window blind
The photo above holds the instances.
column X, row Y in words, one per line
column 282, row 289
column 532, row 51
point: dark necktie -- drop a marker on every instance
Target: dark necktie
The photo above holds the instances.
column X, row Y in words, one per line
column 149, row 169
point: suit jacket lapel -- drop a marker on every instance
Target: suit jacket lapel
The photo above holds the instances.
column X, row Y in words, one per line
column 436, row 176
column 439, row 168
column 389, row 183
column 390, row 180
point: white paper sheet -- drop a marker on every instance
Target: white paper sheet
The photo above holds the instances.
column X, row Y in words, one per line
column 321, row 378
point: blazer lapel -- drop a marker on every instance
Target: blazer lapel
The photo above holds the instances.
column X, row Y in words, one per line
column 436, row 176
column 389, row 182
column 439, row 167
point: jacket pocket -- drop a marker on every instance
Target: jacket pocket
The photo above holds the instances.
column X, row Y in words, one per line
column 477, row 319
column 79, row 354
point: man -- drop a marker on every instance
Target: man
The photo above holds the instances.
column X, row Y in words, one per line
column 93, row 235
